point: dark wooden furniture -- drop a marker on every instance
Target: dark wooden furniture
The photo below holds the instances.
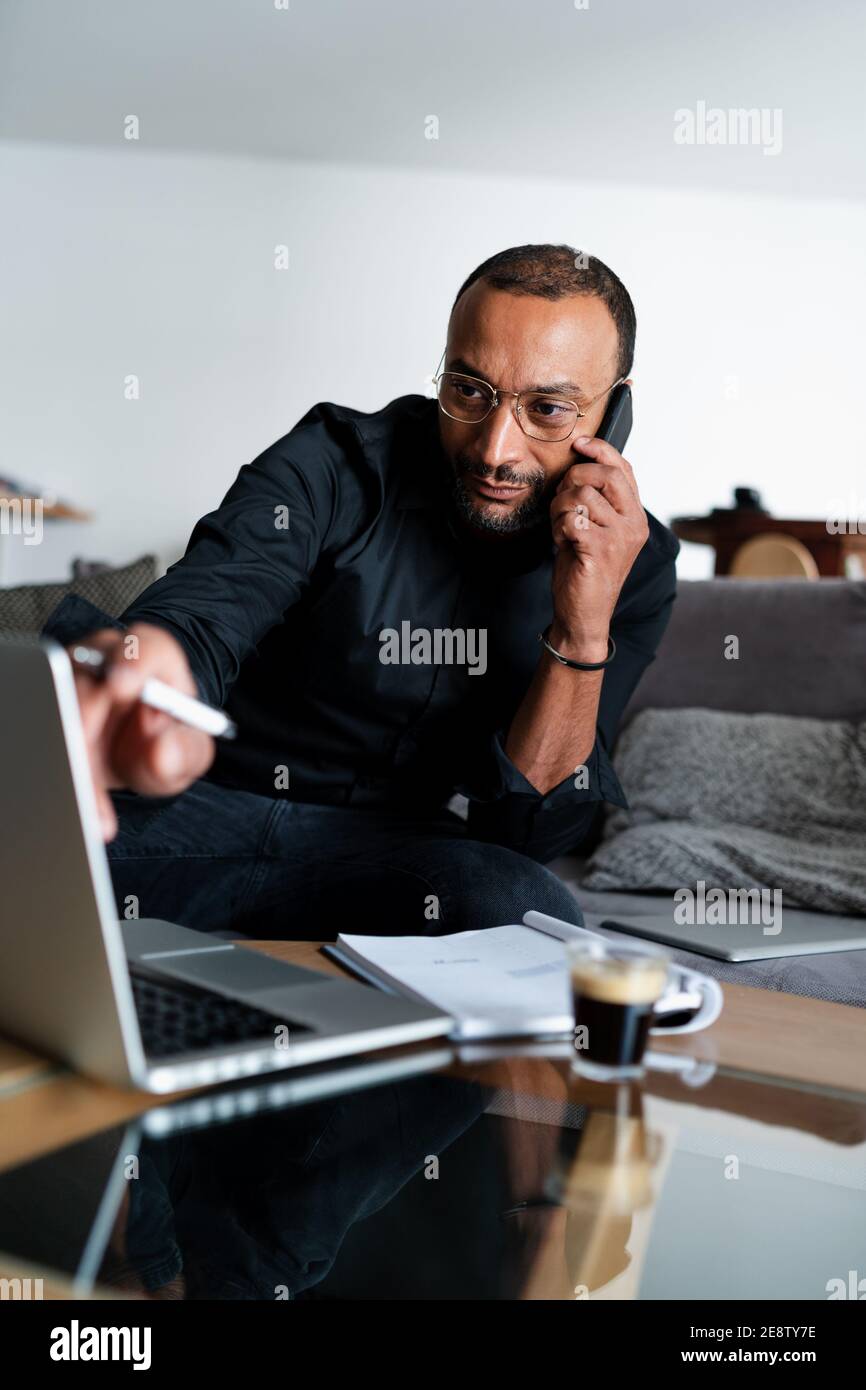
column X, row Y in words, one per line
column 727, row 530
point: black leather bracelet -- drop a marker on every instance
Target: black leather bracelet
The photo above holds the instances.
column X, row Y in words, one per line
column 579, row 665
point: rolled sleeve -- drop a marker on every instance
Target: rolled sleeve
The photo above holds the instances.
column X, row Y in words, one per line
column 504, row 808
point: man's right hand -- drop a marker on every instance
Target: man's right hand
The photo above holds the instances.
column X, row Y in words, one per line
column 131, row 745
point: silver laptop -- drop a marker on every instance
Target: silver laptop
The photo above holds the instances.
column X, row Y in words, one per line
column 794, row 932
column 144, row 1003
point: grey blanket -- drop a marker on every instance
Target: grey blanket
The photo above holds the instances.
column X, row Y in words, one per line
column 740, row 801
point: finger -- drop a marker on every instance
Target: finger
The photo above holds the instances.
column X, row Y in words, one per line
column 146, row 651
column 126, row 671
column 100, row 701
column 94, row 702
column 152, row 722
column 600, row 451
column 584, row 501
column 577, row 528
column 89, row 685
column 105, row 640
column 106, row 812
column 178, row 757
column 161, row 763
column 611, row 482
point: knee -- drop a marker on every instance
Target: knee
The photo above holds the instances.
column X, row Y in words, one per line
column 489, row 886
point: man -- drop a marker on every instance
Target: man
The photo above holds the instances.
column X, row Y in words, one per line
column 367, row 601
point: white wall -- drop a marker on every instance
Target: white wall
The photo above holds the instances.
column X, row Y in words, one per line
column 750, row 314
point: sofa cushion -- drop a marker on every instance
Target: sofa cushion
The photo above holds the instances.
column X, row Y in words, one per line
column 26, row 608
column 760, row 801
column 801, row 646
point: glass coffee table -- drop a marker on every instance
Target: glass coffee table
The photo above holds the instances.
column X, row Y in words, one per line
column 492, row 1174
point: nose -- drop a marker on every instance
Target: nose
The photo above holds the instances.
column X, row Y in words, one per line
column 500, row 439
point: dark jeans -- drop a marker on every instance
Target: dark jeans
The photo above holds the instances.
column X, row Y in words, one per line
column 228, row 861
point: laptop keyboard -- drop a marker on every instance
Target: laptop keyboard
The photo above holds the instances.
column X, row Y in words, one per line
column 177, row 1018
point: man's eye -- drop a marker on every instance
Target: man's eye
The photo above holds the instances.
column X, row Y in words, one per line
column 467, row 390
column 549, row 409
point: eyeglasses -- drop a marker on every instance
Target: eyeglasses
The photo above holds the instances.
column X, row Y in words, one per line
column 541, row 415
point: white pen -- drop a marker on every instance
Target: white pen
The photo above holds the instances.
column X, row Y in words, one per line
column 155, row 693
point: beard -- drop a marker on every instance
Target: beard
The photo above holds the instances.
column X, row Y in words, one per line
column 493, row 517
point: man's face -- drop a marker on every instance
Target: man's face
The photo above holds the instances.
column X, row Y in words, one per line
column 504, row 480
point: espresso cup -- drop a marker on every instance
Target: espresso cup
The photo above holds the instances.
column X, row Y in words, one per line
column 615, row 989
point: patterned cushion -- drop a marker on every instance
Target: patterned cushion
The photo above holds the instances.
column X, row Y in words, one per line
column 26, row 608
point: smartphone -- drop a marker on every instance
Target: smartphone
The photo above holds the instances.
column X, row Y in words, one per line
column 616, row 426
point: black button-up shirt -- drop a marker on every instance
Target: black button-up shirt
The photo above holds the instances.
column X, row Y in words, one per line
column 336, row 549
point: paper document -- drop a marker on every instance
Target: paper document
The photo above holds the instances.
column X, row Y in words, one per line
column 511, row 981
column 503, row 982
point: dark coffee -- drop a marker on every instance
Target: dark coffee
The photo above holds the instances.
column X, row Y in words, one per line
column 616, row 1033
column 614, row 998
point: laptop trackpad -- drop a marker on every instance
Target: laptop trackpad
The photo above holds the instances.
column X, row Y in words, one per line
column 236, row 972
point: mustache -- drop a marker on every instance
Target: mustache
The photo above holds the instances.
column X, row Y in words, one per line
column 535, row 477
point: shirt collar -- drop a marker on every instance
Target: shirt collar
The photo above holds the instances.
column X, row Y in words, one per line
column 423, row 477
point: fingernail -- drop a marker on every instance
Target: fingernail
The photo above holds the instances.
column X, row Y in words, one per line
column 583, row 439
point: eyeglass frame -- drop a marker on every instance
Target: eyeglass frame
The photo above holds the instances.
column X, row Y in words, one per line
column 498, row 392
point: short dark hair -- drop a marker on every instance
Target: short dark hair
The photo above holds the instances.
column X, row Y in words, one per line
column 555, row 272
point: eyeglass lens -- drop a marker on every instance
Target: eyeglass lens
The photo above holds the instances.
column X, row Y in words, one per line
column 540, row 416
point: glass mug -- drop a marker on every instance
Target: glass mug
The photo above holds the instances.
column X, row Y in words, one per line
column 615, row 988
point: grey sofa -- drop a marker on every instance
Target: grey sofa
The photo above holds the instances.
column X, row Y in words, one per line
column 802, row 652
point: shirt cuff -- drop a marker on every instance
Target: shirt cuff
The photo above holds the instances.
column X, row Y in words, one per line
column 76, row 617
column 595, row 780
column 503, row 807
